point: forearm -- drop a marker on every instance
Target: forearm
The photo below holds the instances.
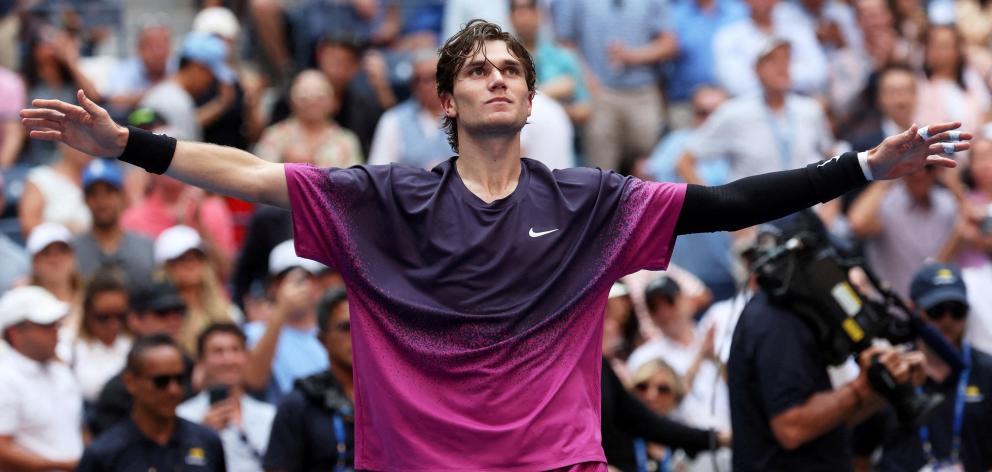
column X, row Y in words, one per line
column 14, row 457
column 663, row 48
column 863, row 214
column 760, row 198
column 820, row 414
column 260, row 359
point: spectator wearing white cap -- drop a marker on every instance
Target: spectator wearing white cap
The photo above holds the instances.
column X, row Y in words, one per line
column 53, row 265
column 40, row 402
column 286, row 347
column 15, row 259
column 182, row 257
column 106, row 244
column 53, row 193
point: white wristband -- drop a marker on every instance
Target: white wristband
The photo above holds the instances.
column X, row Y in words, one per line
column 865, row 168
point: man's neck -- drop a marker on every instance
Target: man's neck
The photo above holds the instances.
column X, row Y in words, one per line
column 774, row 100
column 489, row 167
column 344, row 377
column 158, row 429
column 108, row 238
column 302, row 322
column 763, row 20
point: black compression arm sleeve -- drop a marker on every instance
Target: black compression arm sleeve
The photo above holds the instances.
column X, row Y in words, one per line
column 765, row 197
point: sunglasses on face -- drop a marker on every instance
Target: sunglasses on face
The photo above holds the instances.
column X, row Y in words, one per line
column 104, row 318
column 662, row 389
column 162, row 382
column 958, row 311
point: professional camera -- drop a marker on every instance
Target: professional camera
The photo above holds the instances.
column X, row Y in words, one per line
column 800, row 270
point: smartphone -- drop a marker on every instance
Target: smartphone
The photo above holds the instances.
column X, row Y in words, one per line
column 218, row 393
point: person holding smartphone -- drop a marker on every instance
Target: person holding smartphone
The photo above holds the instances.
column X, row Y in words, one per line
column 242, row 422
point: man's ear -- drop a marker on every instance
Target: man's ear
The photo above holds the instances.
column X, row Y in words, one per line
column 530, row 101
column 448, row 104
column 130, row 381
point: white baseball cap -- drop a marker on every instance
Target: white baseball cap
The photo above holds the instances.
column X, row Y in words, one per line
column 45, row 235
column 283, row 257
column 175, row 242
column 217, row 20
column 30, row 303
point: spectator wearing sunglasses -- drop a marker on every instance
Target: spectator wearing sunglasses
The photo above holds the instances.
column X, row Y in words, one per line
column 659, row 387
column 40, row 404
column 157, row 309
column 314, row 425
column 959, row 435
column 152, row 437
column 97, row 346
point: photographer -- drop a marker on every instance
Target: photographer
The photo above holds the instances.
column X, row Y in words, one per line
column 786, row 414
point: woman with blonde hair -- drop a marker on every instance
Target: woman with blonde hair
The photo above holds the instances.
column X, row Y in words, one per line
column 182, row 259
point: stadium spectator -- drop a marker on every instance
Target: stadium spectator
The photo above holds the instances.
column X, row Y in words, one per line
column 157, row 309
column 53, row 194
column 133, row 76
column 358, row 108
column 284, row 347
column 12, row 96
column 107, row 244
column 16, row 261
column 53, row 266
column 99, row 342
column 410, row 133
column 152, row 436
column 738, row 45
column 242, row 422
column 314, row 426
column 202, row 60
column 659, row 388
column 183, row 260
column 268, row 227
column 41, row 421
column 952, row 90
column 310, row 135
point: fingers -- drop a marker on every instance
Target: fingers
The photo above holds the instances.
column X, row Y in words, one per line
column 953, row 136
column 67, row 108
column 949, row 148
column 41, row 124
column 46, row 135
column 938, row 128
column 43, row 113
column 88, row 104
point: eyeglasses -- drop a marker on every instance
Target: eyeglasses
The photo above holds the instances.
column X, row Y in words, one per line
column 957, row 310
column 660, row 389
column 162, row 382
column 104, row 318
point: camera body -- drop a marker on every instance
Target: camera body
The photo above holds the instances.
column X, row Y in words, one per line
column 806, row 275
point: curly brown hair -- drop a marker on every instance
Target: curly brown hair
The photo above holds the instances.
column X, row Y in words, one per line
column 464, row 45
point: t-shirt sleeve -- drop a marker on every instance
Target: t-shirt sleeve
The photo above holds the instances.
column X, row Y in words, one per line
column 89, row 462
column 285, row 449
column 787, row 367
column 322, row 202
column 649, row 213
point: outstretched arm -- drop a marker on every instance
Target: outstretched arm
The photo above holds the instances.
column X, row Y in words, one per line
column 760, row 198
column 219, row 169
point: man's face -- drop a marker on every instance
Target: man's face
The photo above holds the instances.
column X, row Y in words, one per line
column 773, row 71
column 223, row 359
column 873, row 15
column 897, row 95
column 337, row 339
column 201, row 79
column 525, row 19
column 919, row 183
column 106, row 203
column 154, row 48
column 490, row 95
column 424, row 84
column 312, row 98
column 949, row 318
column 761, row 7
column 158, row 386
column 169, row 321
column 705, row 102
column 339, row 64
column 35, row 341
column 665, row 312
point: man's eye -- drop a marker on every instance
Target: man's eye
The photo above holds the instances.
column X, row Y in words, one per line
column 512, row 71
column 477, row 71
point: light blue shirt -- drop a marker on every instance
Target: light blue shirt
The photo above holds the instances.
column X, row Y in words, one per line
column 665, row 156
column 695, row 29
column 551, row 62
column 15, row 263
column 593, row 25
column 298, row 354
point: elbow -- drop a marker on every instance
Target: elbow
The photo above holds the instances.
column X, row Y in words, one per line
column 789, row 436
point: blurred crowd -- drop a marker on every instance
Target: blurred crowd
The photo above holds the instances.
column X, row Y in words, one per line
column 159, row 299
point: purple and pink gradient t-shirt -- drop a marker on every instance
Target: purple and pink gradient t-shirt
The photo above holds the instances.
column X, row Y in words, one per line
column 477, row 328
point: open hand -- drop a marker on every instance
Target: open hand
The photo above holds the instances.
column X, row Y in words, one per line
column 909, row 151
column 87, row 128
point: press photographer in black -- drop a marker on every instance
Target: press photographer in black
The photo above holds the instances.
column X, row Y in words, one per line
column 785, row 412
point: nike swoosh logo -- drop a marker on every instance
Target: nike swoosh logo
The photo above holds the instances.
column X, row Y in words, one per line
column 542, row 233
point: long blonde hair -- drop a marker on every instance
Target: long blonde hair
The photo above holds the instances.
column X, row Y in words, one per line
column 212, row 307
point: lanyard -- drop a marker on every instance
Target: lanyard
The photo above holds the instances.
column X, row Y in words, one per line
column 958, row 415
column 782, row 130
column 342, row 444
column 641, row 455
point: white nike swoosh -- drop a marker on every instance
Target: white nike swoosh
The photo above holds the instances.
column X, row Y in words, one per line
column 542, row 233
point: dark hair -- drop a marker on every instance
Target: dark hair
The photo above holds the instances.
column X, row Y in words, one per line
column 959, row 45
column 461, row 47
column 218, row 328
column 147, row 343
column 530, row 4
column 29, row 68
column 662, row 288
column 328, row 302
column 107, row 278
